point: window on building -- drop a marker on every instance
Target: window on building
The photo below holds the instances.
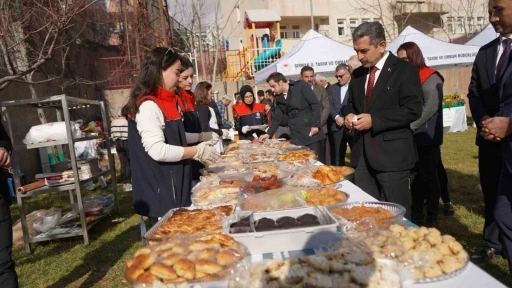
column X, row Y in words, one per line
column 353, row 23
column 364, row 20
column 284, row 33
column 449, row 25
column 480, row 23
column 460, row 24
column 295, row 31
column 471, row 24
column 342, row 27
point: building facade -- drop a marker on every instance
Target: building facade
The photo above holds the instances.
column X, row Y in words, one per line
column 443, row 19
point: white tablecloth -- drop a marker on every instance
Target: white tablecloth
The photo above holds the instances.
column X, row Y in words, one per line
column 454, row 119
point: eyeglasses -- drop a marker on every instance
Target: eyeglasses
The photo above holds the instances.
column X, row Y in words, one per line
column 248, row 96
column 340, row 76
column 165, row 55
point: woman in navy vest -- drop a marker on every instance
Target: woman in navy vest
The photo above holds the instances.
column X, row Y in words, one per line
column 428, row 135
column 157, row 140
column 249, row 113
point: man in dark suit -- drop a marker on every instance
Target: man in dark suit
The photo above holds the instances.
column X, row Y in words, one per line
column 338, row 139
column 384, row 98
column 8, row 277
column 307, row 74
column 499, row 127
column 484, row 103
column 300, row 104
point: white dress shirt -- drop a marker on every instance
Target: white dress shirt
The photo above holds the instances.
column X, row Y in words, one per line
column 343, row 94
column 379, row 65
column 500, row 51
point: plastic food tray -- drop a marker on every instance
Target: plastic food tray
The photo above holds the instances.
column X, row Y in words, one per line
column 148, row 236
column 288, row 239
column 397, row 210
column 444, row 276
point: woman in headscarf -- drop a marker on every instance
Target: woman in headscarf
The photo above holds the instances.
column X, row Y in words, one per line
column 249, row 114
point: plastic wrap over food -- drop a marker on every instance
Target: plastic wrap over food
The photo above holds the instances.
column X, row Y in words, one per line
column 208, row 195
column 302, row 178
column 184, row 259
column 284, row 198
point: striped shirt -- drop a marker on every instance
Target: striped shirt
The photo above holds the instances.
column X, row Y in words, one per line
column 119, row 128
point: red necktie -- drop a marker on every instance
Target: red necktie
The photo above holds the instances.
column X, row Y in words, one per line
column 371, row 82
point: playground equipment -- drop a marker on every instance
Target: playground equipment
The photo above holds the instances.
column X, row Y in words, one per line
column 259, row 52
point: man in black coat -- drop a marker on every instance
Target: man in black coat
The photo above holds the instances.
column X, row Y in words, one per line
column 8, row 277
column 384, row 98
column 484, row 102
column 302, row 107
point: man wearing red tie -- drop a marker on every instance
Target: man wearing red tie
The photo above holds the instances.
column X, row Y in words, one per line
column 384, row 98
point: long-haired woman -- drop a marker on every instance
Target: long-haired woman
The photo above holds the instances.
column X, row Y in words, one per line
column 428, row 135
column 158, row 143
column 207, row 116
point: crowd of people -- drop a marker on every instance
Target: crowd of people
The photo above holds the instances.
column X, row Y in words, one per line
column 387, row 108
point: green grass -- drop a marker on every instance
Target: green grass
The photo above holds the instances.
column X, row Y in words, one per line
column 68, row 263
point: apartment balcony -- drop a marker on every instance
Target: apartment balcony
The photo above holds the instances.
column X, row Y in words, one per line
column 299, row 8
column 422, row 15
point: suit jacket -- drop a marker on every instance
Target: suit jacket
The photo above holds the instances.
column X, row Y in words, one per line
column 396, row 101
column 336, row 106
column 5, row 142
column 505, row 110
column 303, row 110
column 483, row 90
column 323, row 98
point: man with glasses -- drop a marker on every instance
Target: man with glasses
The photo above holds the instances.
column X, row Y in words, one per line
column 338, row 139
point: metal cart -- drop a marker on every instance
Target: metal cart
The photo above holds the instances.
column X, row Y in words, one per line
column 62, row 104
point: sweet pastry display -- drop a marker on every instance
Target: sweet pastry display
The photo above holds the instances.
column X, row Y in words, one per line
column 323, row 197
column 191, row 259
column 260, row 184
column 328, row 174
column 215, row 195
column 286, row 222
column 341, row 269
column 242, row 226
column 258, row 157
column 355, row 213
column 264, row 169
column 428, row 253
column 297, row 155
column 185, row 221
column 278, row 199
column 229, row 160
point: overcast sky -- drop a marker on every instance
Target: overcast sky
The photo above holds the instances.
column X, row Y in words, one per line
column 181, row 10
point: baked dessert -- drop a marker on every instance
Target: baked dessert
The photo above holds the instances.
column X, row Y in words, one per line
column 323, row 197
column 286, row 222
column 199, row 258
column 185, row 221
column 297, row 155
column 379, row 214
column 327, row 174
column 242, row 226
column 265, row 224
column 263, row 183
column 308, row 220
column 214, row 195
column 264, row 169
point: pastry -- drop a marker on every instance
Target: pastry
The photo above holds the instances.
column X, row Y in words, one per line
column 208, row 267
column 185, row 268
column 148, row 260
column 227, row 257
column 163, row 271
column 323, row 197
column 172, row 259
column 208, row 253
column 134, row 272
column 264, row 169
column 265, row 224
column 242, row 226
column 142, row 251
column 286, row 222
column 297, row 155
column 146, row 277
column 327, row 174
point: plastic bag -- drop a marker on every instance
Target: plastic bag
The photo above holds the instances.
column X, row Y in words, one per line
column 48, row 132
column 302, row 178
column 206, row 195
column 284, row 198
column 184, row 259
column 47, row 220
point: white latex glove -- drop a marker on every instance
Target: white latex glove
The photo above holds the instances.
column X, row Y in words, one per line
column 206, row 153
column 205, row 136
column 215, row 139
column 225, row 133
column 245, row 129
column 264, row 128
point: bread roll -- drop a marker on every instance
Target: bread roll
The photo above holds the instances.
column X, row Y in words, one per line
column 133, row 272
column 163, row 271
column 146, row 277
column 148, row 260
column 142, row 251
column 226, row 257
column 208, row 267
column 172, row 259
column 208, row 253
column 185, row 268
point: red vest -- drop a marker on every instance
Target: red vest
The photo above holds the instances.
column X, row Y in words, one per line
column 243, row 109
column 186, row 101
column 166, row 101
column 426, row 72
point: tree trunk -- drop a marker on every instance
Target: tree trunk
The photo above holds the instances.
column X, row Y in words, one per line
column 215, row 39
column 197, row 13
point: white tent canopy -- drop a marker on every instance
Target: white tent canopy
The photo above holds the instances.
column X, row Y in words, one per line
column 437, row 53
column 484, row 37
column 315, row 50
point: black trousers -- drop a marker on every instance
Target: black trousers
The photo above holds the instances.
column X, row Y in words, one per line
column 425, row 185
column 387, row 186
column 319, row 149
column 503, row 214
column 489, row 166
column 443, row 181
column 8, row 276
column 123, row 153
column 338, row 141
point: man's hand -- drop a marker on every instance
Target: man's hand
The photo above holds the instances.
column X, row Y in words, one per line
column 5, row 158
column 496, row 128
column 264, row 137
column 364, row 122
column 348, row 120
column 340, row 121
column 314, row 130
